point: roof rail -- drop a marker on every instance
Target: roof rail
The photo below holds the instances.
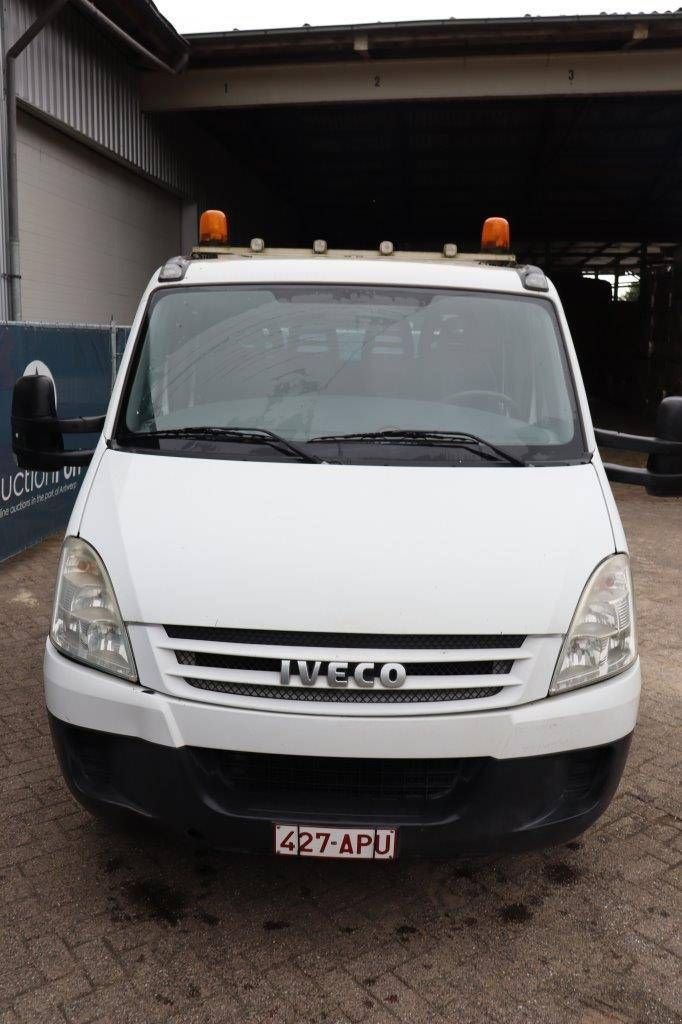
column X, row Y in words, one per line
column 319, row 250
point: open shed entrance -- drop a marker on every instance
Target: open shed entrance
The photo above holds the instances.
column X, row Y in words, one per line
column 592, row 186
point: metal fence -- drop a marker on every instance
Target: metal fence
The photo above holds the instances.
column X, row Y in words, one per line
column 82, row 361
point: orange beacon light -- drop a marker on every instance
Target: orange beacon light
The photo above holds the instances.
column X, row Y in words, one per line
column 495, row 236
column 213, row 228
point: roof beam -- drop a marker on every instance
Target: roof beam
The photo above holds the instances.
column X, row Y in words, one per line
column 585, row 74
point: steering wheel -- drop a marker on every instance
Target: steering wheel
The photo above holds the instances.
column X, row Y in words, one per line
column 509, row 402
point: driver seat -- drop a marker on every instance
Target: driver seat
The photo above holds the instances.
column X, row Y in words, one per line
column 456, row 358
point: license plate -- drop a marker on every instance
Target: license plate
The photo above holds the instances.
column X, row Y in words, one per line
column 339, row 843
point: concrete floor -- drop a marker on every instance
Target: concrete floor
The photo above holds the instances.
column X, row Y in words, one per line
column 97, row 926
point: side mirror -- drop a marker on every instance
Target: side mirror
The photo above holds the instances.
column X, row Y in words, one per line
column 37, row 433
column 663, row 473
column 668, row 428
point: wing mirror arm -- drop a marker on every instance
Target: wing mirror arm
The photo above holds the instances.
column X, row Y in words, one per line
column 663, row 473
column 82, row 425
column 660, row 484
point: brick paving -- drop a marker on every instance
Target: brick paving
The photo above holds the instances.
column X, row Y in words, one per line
column 99, row 926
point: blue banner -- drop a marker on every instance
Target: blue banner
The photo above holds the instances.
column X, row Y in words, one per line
column 82, row 363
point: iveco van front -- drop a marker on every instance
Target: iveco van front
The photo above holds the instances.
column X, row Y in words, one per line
column 345, row 576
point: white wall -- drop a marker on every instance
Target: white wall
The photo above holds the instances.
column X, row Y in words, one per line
column 91, row 231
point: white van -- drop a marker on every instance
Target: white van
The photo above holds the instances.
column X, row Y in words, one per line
column 345, row 577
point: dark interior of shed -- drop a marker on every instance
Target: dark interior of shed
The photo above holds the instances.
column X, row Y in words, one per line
column 591, row 185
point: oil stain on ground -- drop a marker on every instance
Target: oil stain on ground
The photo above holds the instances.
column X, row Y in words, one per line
column 515, row 913
column 158, row 901
column 560, row 873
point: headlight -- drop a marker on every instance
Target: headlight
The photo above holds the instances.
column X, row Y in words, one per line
column 602, row 639
column 86, row 622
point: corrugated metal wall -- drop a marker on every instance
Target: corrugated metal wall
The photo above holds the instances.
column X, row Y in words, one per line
column 73, row 74
column 80, row 81
column 4, row 283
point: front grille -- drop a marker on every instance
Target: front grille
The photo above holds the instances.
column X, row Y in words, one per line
column 400, row 789
column 352, row 648
column 367, row 641
column 250, row 663
column 343, row 696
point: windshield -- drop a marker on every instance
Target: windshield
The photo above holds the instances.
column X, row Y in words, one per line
column 314, row 363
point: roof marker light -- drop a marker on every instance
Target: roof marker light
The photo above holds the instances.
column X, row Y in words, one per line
column 213, row 228
column 173, row 269
column 319, row 246
column 449, row 250
column 533, row 279
column 495, row 236
column 257, row 245
column 386, row 248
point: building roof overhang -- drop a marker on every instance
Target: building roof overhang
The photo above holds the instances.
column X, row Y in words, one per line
column 450, row 37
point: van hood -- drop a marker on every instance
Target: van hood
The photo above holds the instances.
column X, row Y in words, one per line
column 338, row 548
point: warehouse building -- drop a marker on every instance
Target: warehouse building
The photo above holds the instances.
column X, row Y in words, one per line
column 105, row 190
column 570, row 127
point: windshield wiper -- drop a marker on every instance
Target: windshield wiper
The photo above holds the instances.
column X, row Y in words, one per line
column 450, row 438
column 253, row 435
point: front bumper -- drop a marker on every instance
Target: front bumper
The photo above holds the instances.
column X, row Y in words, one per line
column 441, row 807
column 511, row 778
